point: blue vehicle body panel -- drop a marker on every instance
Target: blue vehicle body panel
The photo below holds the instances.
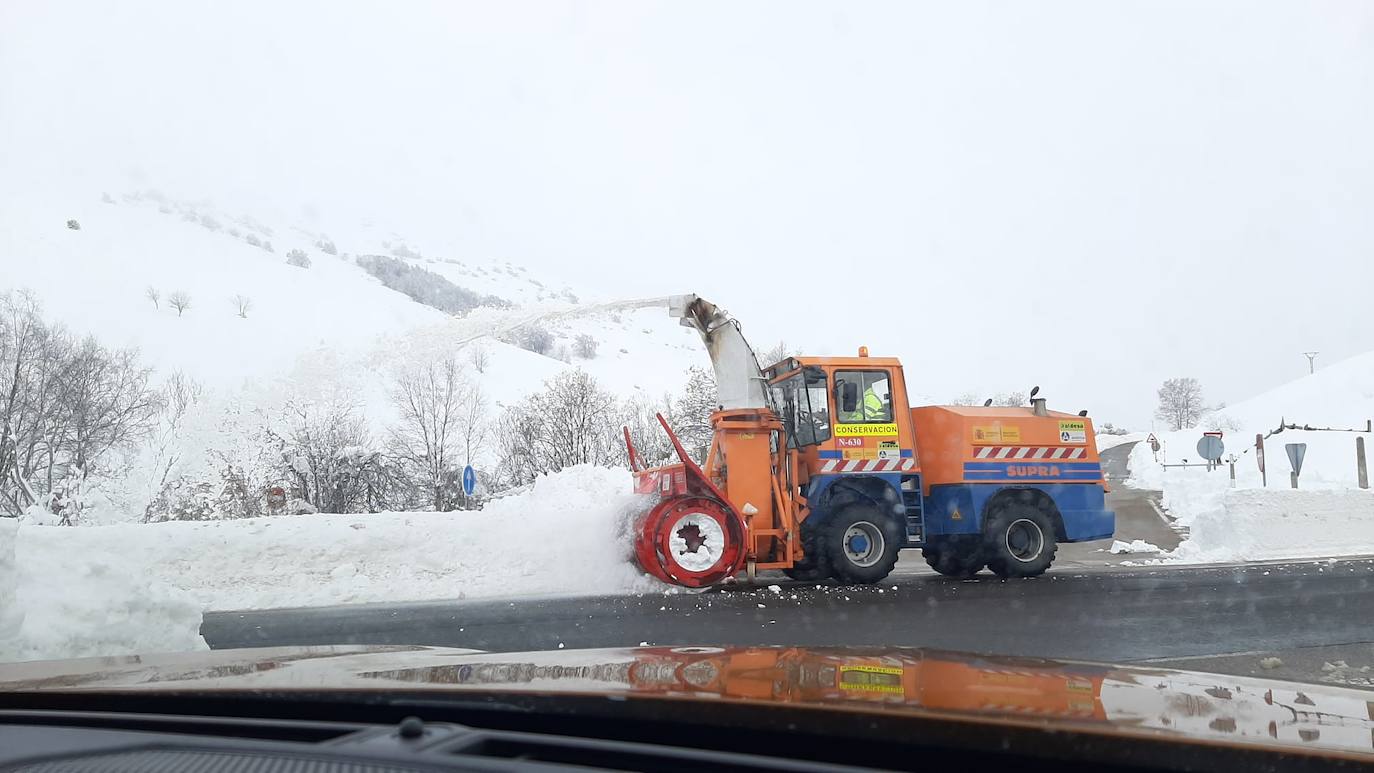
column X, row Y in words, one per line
column 957, row 508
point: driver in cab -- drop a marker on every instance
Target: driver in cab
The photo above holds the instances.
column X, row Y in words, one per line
column 871, row 408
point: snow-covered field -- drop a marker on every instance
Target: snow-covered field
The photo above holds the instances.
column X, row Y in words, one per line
column 1327, row 516
column 142, row 587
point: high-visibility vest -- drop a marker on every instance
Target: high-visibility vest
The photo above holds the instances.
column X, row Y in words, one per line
column 871, row 410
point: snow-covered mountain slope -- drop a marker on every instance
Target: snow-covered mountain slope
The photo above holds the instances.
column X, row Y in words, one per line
column 95, row 280
column 325, row 333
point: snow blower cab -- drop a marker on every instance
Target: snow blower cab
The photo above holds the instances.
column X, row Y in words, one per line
column 815, row 469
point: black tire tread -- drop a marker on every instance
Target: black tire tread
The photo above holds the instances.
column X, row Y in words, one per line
column 1006, row 567
column 952, row 558
column 832, row 539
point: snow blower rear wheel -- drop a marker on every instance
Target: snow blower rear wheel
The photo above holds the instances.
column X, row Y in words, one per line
column 690, row 541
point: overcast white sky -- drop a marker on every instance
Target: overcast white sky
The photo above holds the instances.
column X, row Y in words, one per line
column 1089, row 196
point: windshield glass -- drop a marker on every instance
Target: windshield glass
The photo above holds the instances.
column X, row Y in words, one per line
column 873, row 402
column 804, row 402
column 454, row 324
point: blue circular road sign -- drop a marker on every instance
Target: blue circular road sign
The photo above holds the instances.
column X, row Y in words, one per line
column 1211, row 448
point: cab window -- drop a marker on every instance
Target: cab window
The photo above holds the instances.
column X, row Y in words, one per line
column 805, row 408
column 874, row 403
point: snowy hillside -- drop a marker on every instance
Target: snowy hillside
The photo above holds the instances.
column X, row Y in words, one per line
column 274, row 313
column 1340, row 396
column 95, row 280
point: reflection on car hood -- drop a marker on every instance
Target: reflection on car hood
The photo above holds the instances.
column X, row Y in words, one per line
column 1109, row 698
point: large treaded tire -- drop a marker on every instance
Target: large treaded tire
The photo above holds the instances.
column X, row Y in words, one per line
column 957, row 555
column 880, row 534
column 815, row 566
column 1019, row 541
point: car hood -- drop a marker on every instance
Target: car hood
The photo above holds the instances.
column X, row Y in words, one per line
column 1100, row 697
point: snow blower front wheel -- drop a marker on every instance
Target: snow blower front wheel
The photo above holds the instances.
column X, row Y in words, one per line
column 690, row 541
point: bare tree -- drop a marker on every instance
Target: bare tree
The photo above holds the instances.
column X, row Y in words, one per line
column 440, row 416
column 1180, row 403
column 1004, row 399
column 243, row 303
column 153, row 295
column 180, row 393
column 67, row 409
column 778, row 353
column 691, row 411
column 967, row 398
column 105, row 403
column 1010, row 399
column 640, row 416
column 480, row 358
column 179, row 300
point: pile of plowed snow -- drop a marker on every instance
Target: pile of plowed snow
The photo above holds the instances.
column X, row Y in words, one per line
column 1327, row 516
column 141, row 587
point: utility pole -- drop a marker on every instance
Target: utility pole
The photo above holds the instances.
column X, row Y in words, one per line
column 1311, row 362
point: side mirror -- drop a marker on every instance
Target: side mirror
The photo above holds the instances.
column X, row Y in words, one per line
column 847, row 396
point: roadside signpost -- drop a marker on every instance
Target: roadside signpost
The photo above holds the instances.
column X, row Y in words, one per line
column 1210, row 447
column 1361, row 469
column 469, row 480
column 1296, row 452
column 1259, row 458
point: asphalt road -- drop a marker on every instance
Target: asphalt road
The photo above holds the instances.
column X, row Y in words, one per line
column 1118, row 615
column 1089, row 606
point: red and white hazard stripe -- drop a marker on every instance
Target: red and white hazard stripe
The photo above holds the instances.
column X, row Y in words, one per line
column 867, row 465
column 1030, row 452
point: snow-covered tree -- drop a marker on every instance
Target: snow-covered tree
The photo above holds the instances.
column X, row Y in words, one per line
column 584, row 346
column 297, row 258
column 441, row 428
column 480, row 358
column 179, row 300
column 243, row 304
column 640, row 416
column 571, row 421
column 68, row 409
column 531, row 337
column 153, row 295
column 1180, row 403
column 180, row 395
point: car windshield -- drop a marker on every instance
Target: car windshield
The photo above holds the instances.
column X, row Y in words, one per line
column 1036, row 330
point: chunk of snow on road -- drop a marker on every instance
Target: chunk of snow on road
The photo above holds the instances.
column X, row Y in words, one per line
column 142, row 587
column 1134, row 546
column 1270, row 663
